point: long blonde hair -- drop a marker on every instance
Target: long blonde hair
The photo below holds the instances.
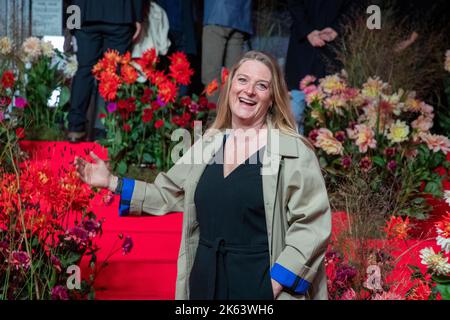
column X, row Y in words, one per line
column 281, row 113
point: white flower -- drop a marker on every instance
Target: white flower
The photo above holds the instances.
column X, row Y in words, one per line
column 31, row 48
column 447, row 196
column 435, row 261
column 443, row 242
column 47, row 49
column 71, row 67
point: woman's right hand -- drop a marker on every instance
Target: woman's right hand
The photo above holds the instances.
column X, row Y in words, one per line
column 95, row 174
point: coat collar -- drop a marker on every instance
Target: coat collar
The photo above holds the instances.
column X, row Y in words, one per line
column 279, row 143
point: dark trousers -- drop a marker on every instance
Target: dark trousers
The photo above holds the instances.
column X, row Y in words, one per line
column 93, row 40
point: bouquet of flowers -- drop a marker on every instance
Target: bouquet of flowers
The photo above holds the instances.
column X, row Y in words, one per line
column 45, row 229
column 42, row 78
column 379, row 135
column 144, row 108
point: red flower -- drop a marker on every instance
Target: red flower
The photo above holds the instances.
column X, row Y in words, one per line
column 159, row 123
column 5, row 101
column 147, row 115
column 109, row 83
column 20, row 133
column 365, row 164
column 211, row 87
column 102, row 116
column 185, row 101
column 203, row 102
column 180, row 69
column 126, row 58
column 147, row 96
column 148, row 61
column 421, row 291
column 108, row 63
column 397, row 228
column 167, row 91
column 155, row 105
column 126, row 127
column 7, row 80
column 158, row 77
column 211, row 105
column 129, row 74
column 440, row 171
column 444, row 226
column 224, row 75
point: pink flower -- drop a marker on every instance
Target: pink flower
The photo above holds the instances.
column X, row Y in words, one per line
column 20, row 259
column 127, row 245
column 389, row 152
column 349, row 294
column 392, row 165
column 346, row 162
column 365, row 164
column 327, row 142
column 436, row 142
column 307, row 81
column 387, row 295
column 59, row 293
column 20, row 102
column 340, row 136
column 111, row 107
column 364, row 138
column 422, row 123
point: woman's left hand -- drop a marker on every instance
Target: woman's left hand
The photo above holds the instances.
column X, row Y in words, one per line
column 277, row 288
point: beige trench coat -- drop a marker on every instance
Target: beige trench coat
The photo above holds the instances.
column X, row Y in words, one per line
column 297, row 210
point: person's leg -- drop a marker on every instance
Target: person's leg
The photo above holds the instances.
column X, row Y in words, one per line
column 235, row 44
column 213, row 50
column 298, row 105
column 89, row 43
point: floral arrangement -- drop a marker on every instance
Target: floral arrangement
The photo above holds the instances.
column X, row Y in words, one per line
column 377, row 134
column 42, row 76
column 45, row 228
column 435, row 282
column 144, row 108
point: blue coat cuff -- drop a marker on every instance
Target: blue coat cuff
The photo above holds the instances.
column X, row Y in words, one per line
column 289, row 280
column 125, row 197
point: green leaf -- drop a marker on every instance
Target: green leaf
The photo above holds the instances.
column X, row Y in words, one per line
column 441, row 279
column 147, row 158
column 379, row 161
column 433, row 188
column 444, row 290
column 64, row 96
column 73, row 258
column 122, row 168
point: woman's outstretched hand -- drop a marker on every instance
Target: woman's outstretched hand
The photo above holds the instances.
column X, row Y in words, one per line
column 95, row 174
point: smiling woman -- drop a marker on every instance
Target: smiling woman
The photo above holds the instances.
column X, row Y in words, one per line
column 247, row 233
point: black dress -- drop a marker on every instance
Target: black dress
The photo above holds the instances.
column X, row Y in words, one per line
column 232, row 260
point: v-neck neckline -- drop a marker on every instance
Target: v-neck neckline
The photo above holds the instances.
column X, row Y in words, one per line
column 239, row 165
